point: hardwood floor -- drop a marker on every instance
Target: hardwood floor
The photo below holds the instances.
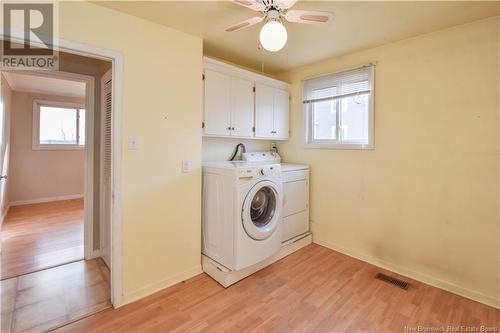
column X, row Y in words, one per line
column 46, row 299
column 41, row 235
column 312, row 290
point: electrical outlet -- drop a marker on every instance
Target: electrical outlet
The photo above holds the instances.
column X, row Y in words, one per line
column 186, row 166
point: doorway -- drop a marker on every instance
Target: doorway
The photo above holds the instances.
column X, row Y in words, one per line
column 55, row 233
column 45, row 168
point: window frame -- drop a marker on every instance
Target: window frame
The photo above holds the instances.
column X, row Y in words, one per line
column 35, row 144
column 323, row 82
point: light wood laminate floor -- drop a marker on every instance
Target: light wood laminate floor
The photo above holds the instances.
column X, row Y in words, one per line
column 312, row 290
column 39, row 236
column 49, row 298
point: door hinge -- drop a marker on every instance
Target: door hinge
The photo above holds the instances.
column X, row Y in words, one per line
column 253, row 89
column 202, row 124
column 253, row 129
column 203, row 77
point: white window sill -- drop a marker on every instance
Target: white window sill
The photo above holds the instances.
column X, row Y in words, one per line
column 344, row 146
column 58, row 147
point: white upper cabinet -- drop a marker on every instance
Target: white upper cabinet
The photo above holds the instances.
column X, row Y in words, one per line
column 281, row 113
column 243, row 104
column 264, row 111
column 217, row 103
column 229, row 105
column 242, row 107
column 271, row 112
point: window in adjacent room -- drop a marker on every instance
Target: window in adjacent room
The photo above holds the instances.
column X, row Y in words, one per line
column 339, row 110
column 58, row 125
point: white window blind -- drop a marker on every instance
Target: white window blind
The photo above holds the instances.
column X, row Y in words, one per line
column 339, row 109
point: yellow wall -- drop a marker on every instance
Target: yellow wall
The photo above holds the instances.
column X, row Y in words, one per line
column 425, row 202
column 162, row 98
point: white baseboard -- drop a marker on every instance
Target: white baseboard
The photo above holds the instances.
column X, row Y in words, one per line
column 435, row 282
column 159, row 285
column 46, row 199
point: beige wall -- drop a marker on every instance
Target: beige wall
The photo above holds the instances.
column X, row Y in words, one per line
column 6, row 99
column 40, row 174
column 425, row 202
column 162, row 103
column 221, row 149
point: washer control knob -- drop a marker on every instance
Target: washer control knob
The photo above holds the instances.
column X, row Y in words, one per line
column 268, row 170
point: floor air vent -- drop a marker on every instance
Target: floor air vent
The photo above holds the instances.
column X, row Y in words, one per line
column 396, row 282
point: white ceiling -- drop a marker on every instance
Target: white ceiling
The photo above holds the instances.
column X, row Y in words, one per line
column 44, row 85
column 357, row 25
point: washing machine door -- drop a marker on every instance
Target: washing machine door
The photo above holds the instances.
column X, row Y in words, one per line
column 261, row 210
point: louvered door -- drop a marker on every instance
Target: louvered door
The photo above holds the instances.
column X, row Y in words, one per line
column 106, row 166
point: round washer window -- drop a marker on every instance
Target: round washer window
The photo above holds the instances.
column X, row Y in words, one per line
column 263, row 207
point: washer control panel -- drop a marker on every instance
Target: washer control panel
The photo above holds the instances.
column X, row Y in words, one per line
column 260, row 171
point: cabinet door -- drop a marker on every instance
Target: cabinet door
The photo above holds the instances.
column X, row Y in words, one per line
column 242, row 106
column 264, row 109
column 281, row 113
column 217, row 103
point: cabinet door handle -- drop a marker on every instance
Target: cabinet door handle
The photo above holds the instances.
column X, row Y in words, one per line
column 229, row 128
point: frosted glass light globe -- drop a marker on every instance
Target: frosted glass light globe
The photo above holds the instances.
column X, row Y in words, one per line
column 273, row 36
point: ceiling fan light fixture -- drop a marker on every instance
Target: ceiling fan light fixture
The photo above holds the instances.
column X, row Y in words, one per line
column 273, row 36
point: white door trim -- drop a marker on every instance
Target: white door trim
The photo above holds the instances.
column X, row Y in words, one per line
column 116, row 210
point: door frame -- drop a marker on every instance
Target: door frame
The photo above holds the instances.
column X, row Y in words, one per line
column 116, row 59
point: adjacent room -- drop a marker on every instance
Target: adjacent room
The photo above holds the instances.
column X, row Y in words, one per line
column 53, row 233
column 250, row 166
column 44, row 223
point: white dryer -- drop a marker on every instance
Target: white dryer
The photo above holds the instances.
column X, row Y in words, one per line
column 242, row 205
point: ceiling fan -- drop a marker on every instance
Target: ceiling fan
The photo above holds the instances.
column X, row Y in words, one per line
column 273, row 35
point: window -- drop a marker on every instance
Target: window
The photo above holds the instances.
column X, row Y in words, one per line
column 58, row 125
column 339, row 110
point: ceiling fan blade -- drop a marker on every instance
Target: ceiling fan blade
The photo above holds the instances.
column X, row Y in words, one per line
column 245, row 24
column 308, row 16
column 251, row 4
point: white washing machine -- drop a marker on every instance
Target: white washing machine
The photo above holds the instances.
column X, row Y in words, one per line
column 242, row 206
